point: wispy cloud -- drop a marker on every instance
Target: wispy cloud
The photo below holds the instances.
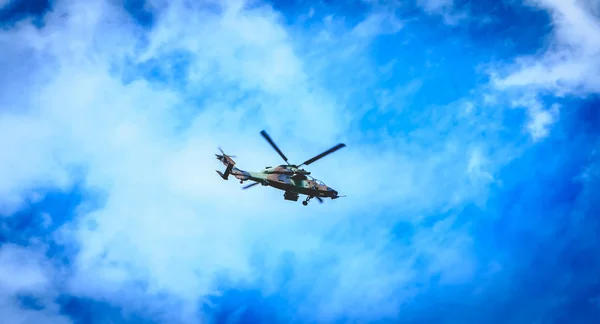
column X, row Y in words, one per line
column 25, row 276
column 567, row 66
column 4, row 3
column 569, row 63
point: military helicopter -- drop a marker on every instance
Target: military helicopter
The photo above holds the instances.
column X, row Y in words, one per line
column 290, row 178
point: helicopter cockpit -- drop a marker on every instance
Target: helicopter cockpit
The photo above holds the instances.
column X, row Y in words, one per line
column 319, row 182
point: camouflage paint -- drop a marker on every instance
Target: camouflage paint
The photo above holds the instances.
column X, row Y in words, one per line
column 281, row 177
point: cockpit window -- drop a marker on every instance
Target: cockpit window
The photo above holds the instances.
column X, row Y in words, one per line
column 319, row 182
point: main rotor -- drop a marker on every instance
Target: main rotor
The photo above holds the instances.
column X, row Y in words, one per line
column 307, row 162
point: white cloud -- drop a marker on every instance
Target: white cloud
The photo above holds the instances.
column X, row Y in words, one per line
column 477, row 165
column 570, row 65
column 436, row 5
column 4, row 3
column 540, row 118
column 20, row 271
column 169, row 220
column 444, row 8
column 24, row 272
column 540, row 121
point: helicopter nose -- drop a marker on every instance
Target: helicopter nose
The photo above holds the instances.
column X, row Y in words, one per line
column 333, row 192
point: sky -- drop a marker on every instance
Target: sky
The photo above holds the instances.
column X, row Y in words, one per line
column 472, row 158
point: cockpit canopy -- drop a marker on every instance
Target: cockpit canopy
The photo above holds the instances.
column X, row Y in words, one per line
column 319, row 182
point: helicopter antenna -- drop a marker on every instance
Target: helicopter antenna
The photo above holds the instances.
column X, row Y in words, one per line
column 268, row 138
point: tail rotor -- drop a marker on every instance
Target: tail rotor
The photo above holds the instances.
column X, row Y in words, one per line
column 224, row 154
column 227, row 161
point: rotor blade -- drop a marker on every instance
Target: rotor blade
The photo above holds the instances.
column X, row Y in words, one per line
column 223, row 153
column 249, row 186
column 268, row 138
column 331, row 150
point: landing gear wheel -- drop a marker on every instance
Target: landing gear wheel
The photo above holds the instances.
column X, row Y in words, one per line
column 306, row 201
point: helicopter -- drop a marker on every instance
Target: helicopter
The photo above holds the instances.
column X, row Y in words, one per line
column 290, row 178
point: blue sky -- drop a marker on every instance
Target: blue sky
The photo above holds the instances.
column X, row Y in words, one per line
column 470, row 170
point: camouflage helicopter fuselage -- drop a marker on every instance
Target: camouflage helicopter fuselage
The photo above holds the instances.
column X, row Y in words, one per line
column 293, row 180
